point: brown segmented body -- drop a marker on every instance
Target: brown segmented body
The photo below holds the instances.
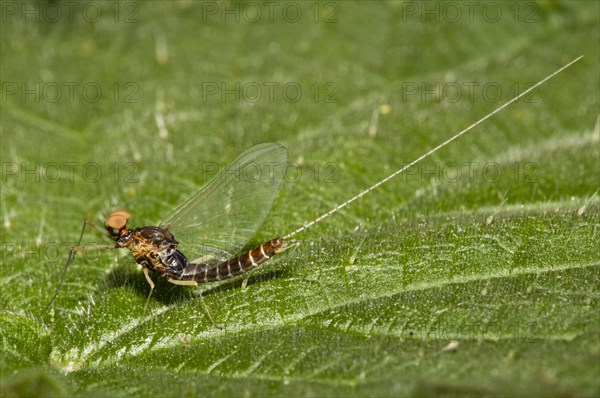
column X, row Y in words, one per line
column 232, row 267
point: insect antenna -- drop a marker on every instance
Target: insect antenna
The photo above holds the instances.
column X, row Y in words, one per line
column 428, row 153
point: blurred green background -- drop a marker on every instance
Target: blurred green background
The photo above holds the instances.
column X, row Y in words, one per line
column 490, row 243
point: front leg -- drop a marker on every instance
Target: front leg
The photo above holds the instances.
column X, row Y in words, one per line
column 76, row 249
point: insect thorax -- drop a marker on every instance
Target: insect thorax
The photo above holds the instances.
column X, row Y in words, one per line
column 154, row 248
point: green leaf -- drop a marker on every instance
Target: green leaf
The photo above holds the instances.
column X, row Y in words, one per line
column 475, row 273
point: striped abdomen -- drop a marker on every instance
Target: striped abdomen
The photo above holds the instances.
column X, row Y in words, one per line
column 233, row 267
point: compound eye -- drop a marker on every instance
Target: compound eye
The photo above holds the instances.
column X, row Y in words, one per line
column 117, row 220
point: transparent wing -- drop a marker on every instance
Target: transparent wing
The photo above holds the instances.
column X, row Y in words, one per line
column 215, row 223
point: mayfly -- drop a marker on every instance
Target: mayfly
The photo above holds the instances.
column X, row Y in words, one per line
column 200, row 241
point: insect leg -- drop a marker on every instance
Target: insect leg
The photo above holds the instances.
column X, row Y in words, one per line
column 76, row 249
column 217, row 325
column 245, row 282
column 194, row 283
column 147, row 275
column 72, row 252
column 182, row 283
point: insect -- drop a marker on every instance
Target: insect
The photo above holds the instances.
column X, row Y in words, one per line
column 200, row 241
